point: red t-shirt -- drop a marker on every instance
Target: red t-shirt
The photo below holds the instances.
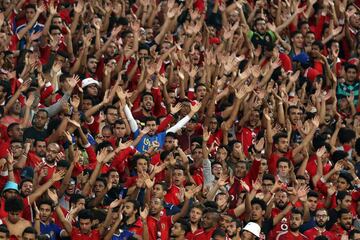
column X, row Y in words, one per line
column 272, row 162
column 314, row 232
column 77, row 235
column 159, row 229
column 290, row 236
column 204, row 235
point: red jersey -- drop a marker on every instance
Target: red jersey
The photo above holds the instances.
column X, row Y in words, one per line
column 159, row 229
column 290, row 236
column 314, row 232
column 247, row 137
column 282, row 226
column 272, row 161
column 171, row 195
column 204, row 235
column 77, row 235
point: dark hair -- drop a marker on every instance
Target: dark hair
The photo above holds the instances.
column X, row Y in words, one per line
column 6, row 86
column 54, row 27
column 46, row 202
column 350, row 66
column 119, row 122
column 30, row 6
column 319, row 44
column 297, row 211
column 357, row 146
column 86, row 214
column 343, row 211
column 102, row 145
column 146, row 94
column 312, row 193
column 30, row 230
column 321, row 237
column 163, row 185
column 346, row 135
column 76, row 197
column 11, row 126
column 268, row 176
column 184, row 225
column 109, row 107
column 293, row 34
column 135, row 204
column 283, row 159
column 218, row 232
column 14, row 205
column 171, row 134
column 101, row 179
column 4, row 229
column 151, row 119
column 341, row 195
column 260, row 202
column 352, row 233
column 276, row 137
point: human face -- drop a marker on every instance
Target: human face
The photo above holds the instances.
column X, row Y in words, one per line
column 295, row 221
column 177, row 231
column 232, row 230
column 351, row 75
column 152, row 126
column 200, row 92
column 312, row 203
column 341, row 184
column 111, row 116
column 346, row 202
column 283, row 169
column 281, row 199
column 195, row 215
column 197, row 155
column 158, row 191
column 114, row 178
column 346, row 221
column 321, row 218
column 16, row 108
column 28, row 236
column 237, row 149
column 245, row 235
column 10, row 194
column 87, row 104
column 254, row 119
column 14, row 217
column 129, row 210
column 263, row 166
column 120, row 130
column 217, row 170
column 221, row 154
column 240, row 169
column 92, row 65
column 267, row 185
column 222, row 201
column 283, row 145
column 141, row 165
column 45, row 212
column 148, row 102
column 29, row 14
column 85, row 225
column 40, row 148
column 92, row 90
column 298, row 40
column 261, row 26
column 27, row 188
column 52, row 151
column 40, row 119
column 256, row 212
column 57, row 21
column 3, row 236
column 98, row 187
column 169, row 143
column 80, row 204
column 178, row 177
column 16, row 149
column 225, row 221
column 295, row 115
column 155, row 206
column 213, row 125
column 208, row 221
column 106, row 134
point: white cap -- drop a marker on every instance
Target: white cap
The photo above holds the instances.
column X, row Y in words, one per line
column 254, row 228
column 87, row 81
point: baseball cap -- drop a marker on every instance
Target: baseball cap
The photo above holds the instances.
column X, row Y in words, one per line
column 253, row 228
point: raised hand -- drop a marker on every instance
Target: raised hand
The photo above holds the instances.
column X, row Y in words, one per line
column 68, row 136
column 195, row 108
column 144, row 213
column 53, row 196
column 79, row 6
column 100, row 157
column 73, row 81
column 206, row 134
column 124, row 145
column 75, row 102
column 115, row 203
column 30, row 100
column 58, row 175
column 320, row 152
column 176, row 109
column 259, row 146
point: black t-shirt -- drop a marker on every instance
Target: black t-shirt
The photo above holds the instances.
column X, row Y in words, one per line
column 333, row 216
column 32, row 133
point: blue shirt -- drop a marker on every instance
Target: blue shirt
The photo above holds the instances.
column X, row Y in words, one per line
column 52, row 230
column 36, row 28
column 124, row 234
column 147, row 141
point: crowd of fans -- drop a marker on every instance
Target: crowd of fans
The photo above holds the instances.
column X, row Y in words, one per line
column 180, row 119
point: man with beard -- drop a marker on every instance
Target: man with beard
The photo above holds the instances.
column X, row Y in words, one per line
column 195, row 216
column 131, row 221
column 159, row 191
column 179, row 229
column 281, row 144
column 150, row 105
column 209, row 223
column 147, row 140
column 343, row 226
column 233, row 229
column 321, row 218
column 249, row 128
column 296, row 220
column 43, row 221
column 257, row 215
column 159, row 223
column 26, row 187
